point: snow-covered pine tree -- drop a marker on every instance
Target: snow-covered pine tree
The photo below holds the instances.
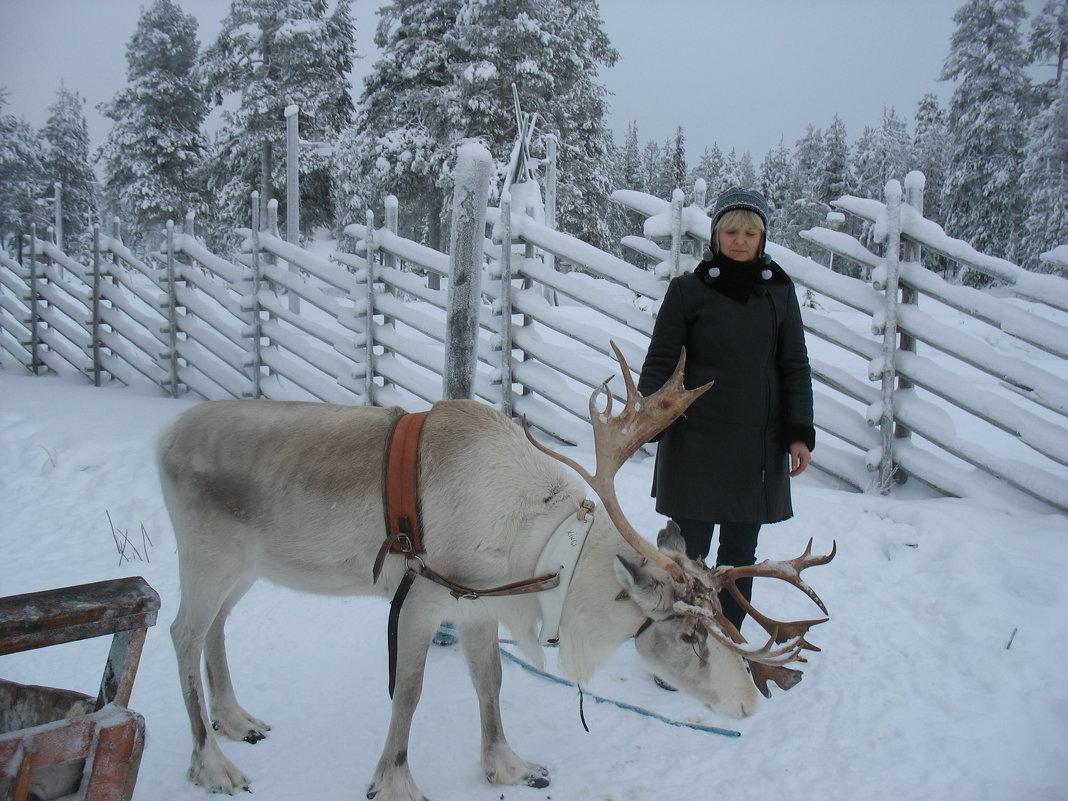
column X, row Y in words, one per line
column 633, row 178
column 22, row 177
column 710, row 167
column 551, row 50
column 881, row 154
column 1049, row 38
column 677, row 161
column 67, row 161
column 929, row 153
column 805, row 208
column 152, row 156
column 446, row 74
column 1045, row 176
column 835, row 169
column 272, row 54
column 982, row 198
column 776, row 178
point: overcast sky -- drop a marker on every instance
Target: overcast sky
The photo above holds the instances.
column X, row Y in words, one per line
column 740, row 73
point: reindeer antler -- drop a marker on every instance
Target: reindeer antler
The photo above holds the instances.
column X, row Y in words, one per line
column 616, row 438
column 790, row 572
column 767, row 662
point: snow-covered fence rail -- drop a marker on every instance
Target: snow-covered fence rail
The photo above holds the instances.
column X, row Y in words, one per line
column 367, row 324
column 1011, row 405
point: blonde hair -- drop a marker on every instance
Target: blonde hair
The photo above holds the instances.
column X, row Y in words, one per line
column 740, row 217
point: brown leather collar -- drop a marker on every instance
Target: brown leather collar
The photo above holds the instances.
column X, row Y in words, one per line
column 401, row 485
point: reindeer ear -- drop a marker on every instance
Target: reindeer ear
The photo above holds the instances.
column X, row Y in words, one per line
column 670, row 538
column 652, row 595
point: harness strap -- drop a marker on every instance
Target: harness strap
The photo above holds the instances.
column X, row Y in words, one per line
column 394, row 618
column 401, row 485
column 545, row 581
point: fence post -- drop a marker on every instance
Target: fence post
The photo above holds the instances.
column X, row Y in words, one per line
column 551, row 179
column 94, row 341
column 677, row 199
column 700, row 193
column 57, row 205
column 369, row 365
column 35, row 311
column 466, row 256
column 504, row 309
column 887, row 367
column 250, row 305
column 292, row 114
column 171, row 354
column 911, row 252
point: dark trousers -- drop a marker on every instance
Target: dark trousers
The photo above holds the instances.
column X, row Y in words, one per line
column 737, row 547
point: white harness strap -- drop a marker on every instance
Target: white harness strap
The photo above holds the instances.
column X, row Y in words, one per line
column 560, row 555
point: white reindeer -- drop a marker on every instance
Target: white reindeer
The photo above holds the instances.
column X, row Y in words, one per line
column 292, row 492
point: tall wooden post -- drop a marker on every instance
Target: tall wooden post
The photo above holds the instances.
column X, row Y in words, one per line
column 474, row 164
column 172, row 314
column 35, row 311
column 293, row 191
column 888, row 367
column 504, row 309
column 94, row 337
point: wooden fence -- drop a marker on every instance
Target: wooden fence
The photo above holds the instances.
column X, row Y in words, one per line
column 359, row 322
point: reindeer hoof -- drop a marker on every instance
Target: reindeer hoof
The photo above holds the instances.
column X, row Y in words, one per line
column 254, row 736
column 538, row 779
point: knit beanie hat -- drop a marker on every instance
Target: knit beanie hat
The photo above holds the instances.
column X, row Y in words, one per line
column 738, row 198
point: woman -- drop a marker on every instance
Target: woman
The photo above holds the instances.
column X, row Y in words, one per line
column 726, row 460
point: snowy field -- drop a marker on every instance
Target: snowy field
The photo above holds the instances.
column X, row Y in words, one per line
column 917, row 693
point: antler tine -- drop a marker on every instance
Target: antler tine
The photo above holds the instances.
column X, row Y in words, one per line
column 790, row 572
column 617, row 437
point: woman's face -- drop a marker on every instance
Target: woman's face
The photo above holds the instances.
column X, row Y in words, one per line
column 739, row 241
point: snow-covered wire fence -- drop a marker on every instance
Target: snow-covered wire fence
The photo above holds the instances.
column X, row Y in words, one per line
column 362, row 323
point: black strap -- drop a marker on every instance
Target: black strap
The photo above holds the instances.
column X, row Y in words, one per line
column 394, row 618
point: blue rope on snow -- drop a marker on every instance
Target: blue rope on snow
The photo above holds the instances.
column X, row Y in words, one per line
column 622, row 705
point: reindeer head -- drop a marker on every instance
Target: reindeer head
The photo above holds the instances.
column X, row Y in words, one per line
column 686, row 638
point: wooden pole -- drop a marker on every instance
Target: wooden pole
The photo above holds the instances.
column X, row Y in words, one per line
column 505, row 307
column 888, row 367
column 474, row 165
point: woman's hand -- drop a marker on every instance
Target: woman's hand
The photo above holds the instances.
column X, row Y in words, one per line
column 800, row 456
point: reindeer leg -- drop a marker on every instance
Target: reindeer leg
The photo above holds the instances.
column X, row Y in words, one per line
column 418, row 621
column 201, row 601
column 499, row 762
column 227, row 715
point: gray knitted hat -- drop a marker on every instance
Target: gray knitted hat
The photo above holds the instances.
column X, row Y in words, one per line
column 738, row 198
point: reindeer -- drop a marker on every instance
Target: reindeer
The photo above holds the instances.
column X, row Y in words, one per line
column 292, row 492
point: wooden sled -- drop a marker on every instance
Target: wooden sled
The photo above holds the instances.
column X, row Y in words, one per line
column 63, row 744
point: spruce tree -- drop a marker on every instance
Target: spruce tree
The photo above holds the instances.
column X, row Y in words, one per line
column 710, row 167
column 881, row 154
column 632, row 160
column 1049, row 38
column 982, row 202
column 929, row 153
column 152, row 157
column 835, row 168
column 67, row 162
column 22, row 177
column 775, row 181
column 1045, row 178
column 447, row 73
column 677, row 164
column 271, row 54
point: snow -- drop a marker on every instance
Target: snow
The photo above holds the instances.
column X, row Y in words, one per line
column 917, row 693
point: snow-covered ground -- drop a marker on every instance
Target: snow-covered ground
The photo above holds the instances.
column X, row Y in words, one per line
column 917, row 693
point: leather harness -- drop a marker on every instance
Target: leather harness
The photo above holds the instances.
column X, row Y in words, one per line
column 404, row 533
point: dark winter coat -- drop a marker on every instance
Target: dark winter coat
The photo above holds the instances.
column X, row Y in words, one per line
column 727, row 458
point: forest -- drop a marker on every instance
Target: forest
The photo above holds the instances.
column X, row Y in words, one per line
column 995, row 159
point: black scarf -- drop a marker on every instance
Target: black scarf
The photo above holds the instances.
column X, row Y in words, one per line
column 738, row 280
